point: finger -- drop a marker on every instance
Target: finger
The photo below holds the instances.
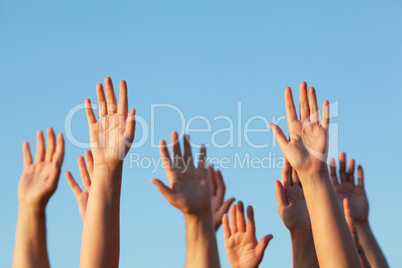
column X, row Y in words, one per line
column 90, row 163
column 165, row 191
column 295, row 178
column 279, row 136
column 202, row 161
column 89, row 112
column 211, row 179
column 226, row 205
column 233, row 220
column 351, row 171
column 177, row 156
column 59, row 152
column 304, row 107
column 40, row 147
column 360, row 176
column 188, row 155
column 332, row 172
column 342, row 167
column 290, row 106
column 166, row 160
column 225, row 226
column 110, row 96
column 220, row 186
column 241, row 221
column 286, row 177
column 73, row 184
column 314, row 113
column 250, row 228
column 281, row 202
column 123, row 101
column 100, row 94
column 51, row 141
column 129, row 132
column 26, row 153
column 325, row 115
column 83, row 172
column 262, row 245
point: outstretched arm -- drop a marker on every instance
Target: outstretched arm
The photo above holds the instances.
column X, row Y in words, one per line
column 189, row 191
column 37, row 184
column 346, row 187
column 306, row 150
column 111, row 137
column 241, row 245
column 292, row 208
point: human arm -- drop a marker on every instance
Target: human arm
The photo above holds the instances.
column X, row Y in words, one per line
column 306, row 151
column 37, row 184
column 111, row 137
column 293, row 211
column 353, row 231
column 189, row 191
column 241, row 245
column 346, row 187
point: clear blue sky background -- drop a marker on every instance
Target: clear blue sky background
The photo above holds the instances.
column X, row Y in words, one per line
column 203, row 57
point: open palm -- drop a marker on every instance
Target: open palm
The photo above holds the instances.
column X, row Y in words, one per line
column 292, row 207
column 39, row 180
column 189, row 189
column 346, row 188
column 112, row 135
column 241, row 245
column 307, row 147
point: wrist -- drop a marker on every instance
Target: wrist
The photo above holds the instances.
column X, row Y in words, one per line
column 34, row 207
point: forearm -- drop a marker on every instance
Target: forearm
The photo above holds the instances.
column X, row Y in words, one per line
column 303, row 250
column 30, row 241
column 101, row 232
column 202, row 249
column 371, row 248
column 333, row 241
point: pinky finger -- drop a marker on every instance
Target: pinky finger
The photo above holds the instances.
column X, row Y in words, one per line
column 89, row 111
column 225, row 226
column 130, row 126
column 360, row 176
column 325, row 115
column 26, row 151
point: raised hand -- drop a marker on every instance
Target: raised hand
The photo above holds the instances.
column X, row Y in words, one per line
column 86, row 177
column 292, row 208
column 219, row 206
column 37, row 184
column 307, row 147
column 241, row 245
column 40, row 178
column 112, row 135
column 189, row 189
column 290, row 200
column 347, row 188
column 307, row 151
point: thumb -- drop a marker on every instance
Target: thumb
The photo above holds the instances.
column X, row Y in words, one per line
column 165, row 191
column 281, row 202
column 226, row 205
column 262, row 245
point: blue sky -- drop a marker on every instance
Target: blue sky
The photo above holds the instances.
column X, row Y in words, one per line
column 203, row 58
